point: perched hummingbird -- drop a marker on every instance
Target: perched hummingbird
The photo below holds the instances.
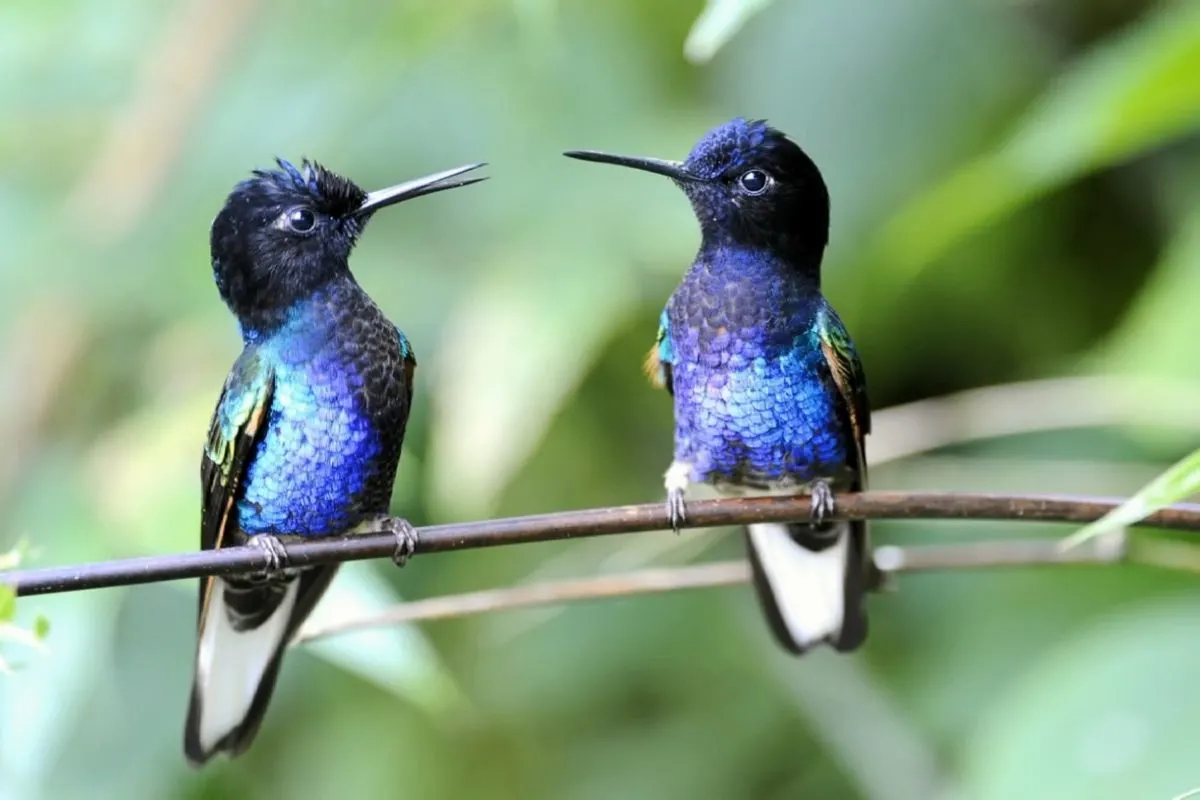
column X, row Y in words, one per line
column 306, row 435
column 769, row 392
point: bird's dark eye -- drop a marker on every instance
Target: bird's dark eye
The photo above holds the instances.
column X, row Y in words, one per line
column 755, row 181
column 301, row 220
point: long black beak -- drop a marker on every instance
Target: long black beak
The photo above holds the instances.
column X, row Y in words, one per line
column 437, row 182
column 672, row 169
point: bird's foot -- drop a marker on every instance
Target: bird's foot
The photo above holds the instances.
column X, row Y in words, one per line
column 404, row 533
column 406, row 540
column 676, row 509
column 821, row 506
column 272, row 547
column 675, row 481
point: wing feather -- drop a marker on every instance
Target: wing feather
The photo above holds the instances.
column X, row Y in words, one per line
column 847, row 373
column 661, row 358
column 238, row 424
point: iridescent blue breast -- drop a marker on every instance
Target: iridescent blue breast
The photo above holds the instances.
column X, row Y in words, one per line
column 317, row 454
column 747, row 415
column 321, row 465
column 755, row 403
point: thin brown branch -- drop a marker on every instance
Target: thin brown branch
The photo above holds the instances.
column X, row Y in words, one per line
column 627, row 584
column 592, row 522
column 916, row 428
column 892, row 559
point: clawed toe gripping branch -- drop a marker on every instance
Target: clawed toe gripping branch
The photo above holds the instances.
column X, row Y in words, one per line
column 701, row 513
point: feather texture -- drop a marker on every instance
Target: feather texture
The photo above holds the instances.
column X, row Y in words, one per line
column 304, row 442
column 769, row 392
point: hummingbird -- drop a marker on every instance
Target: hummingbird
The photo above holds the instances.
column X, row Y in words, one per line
column 769, row 393
column 307, row 432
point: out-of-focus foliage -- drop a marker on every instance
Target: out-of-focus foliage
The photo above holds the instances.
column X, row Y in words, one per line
column 717, row 24
column 1014, row 196
column 1179, row 482
column 11, row 634
column 1128, row 94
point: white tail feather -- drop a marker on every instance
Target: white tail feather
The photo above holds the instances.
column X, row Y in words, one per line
column 230, row 663
column 808, row 586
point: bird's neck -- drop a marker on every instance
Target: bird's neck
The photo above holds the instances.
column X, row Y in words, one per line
column 267, row 321
column 738, row 260
column 800, row 247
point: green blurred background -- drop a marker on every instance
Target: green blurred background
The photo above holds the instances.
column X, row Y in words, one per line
column 1016, row 197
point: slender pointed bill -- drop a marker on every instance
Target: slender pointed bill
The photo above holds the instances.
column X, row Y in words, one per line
column 672, row 169
column 415, row 188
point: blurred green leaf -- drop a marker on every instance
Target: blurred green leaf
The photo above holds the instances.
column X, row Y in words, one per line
column 8, row 603
column 8, row 608
column 398, row 658
column 12, row 559
column 41, row 626
column 1179, row 482
column 141, row 472
column 716, row 25
column 527, row 331
column 1109, row 713
column 1158, row 335
column 11, row 633
column 38, row 721
column 1127, row 95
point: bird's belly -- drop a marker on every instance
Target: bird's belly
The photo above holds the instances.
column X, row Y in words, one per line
column 312, row 466
column 773, row 423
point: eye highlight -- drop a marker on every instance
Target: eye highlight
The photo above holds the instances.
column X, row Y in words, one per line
column 754, row 181
column 301, row 220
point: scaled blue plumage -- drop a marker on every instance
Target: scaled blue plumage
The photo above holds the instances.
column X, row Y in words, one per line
column 754, row 400
column 769, row 392
column 307, row 433
column 320, row 448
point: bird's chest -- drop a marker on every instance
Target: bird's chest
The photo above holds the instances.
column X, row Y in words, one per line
column 749, row 393
column 322, row 408
column 323, row 445
column 754, row 399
